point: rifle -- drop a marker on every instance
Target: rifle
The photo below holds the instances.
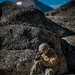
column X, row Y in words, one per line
column 38, row 57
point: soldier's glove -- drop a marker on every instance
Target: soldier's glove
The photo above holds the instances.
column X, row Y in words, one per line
column 38, row 57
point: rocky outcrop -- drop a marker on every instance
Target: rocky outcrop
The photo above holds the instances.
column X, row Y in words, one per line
column 16, row 62
column 26, row 28
column 68, row 47
column 20, row 37
column 67, row 43
column 32, row 17
column 67, row 22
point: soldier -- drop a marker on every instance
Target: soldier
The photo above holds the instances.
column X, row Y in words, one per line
column 49, row 62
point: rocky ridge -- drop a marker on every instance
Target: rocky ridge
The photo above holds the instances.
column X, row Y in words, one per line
column 67, row 9
column 20, row 15
column 26, row 28
column 64, row 21
column 68, row 43
column 68, row 46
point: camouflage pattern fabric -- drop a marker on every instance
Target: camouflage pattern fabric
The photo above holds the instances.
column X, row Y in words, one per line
column 39, row 69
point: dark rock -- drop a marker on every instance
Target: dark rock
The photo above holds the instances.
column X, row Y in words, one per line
column 16, row 62
column 20, row 37
column 68, row 47
column 20, row 62
column 27, row 28
column 67, row 22
column 32, row 17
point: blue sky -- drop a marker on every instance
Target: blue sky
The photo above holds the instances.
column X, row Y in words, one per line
column 53, row 3
column 6, row 0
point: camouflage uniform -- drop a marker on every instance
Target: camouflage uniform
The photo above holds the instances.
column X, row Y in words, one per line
column 48, row 66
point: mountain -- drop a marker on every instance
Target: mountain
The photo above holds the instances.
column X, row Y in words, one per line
column 35, row 4
column 67, row 9
column 26, row 28
column 42, row 6
column 22, row 30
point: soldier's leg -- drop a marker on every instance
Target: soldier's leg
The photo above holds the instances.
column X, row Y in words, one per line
column 50, row 71
column 35, row 67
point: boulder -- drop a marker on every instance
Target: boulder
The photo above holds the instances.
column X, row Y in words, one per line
column 68, row 47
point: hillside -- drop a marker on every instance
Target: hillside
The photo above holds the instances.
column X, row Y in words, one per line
column 67, row 9
column 22, row 30
column 68, row 43
column 64, row 21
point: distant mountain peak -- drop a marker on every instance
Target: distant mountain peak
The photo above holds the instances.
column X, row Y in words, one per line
column 35, row 4
column 67, row 9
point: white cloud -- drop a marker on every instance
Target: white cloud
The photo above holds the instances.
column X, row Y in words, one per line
column 25, row 3
column 19, row 3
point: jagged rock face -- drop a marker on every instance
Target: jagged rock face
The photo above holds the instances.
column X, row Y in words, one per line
column 68, row 45
column 16, row 62
column 19, row 37
column 64, row 21
column 27, row 28
column 32, row 17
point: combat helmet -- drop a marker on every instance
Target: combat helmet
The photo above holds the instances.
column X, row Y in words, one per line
column 43, row 47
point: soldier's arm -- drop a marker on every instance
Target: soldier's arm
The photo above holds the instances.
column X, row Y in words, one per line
column 55, row 59
column 51, row 60
column 45, row 58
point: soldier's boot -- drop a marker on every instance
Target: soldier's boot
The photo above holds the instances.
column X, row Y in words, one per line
column 49, row 72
